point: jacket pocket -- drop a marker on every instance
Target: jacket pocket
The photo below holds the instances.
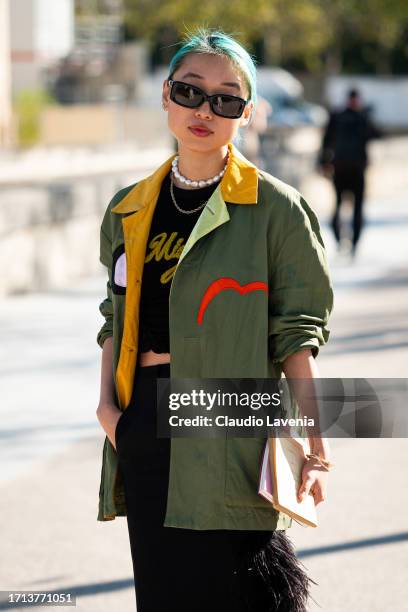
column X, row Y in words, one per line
column 243, row 465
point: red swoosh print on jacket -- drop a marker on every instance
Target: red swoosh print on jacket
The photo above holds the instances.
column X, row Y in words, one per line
column 226, row 283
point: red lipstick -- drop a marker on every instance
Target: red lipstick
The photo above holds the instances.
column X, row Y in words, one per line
column 199, row 130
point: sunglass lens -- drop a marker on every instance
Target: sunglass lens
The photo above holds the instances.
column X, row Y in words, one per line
column 228, row 106
column 186, row 95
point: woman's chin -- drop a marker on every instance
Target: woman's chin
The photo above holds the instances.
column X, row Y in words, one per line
column 199, row 145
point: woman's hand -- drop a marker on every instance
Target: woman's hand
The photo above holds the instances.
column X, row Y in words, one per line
column 108, row 416
column 107, row 412
column 301, row 367
column 314, row 479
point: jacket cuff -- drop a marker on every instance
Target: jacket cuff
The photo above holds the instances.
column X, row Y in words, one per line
column 104, row 332
column 298, row 345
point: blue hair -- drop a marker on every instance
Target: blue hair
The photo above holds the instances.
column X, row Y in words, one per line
column 218, row 43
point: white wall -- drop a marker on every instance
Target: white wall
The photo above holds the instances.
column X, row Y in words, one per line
column 5, row 75
column 54, row 31
column 388, row 96
column 43, row 26
column 41, row 31
column 22, row 17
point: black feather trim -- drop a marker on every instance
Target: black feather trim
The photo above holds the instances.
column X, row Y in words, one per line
column 272, row 578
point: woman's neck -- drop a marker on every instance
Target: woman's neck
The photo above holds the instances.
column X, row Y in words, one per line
column 197, row 165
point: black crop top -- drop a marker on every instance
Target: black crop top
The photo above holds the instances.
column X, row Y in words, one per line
column 169, row 232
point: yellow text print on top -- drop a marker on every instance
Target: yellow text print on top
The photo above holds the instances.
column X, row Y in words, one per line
column 165, row 246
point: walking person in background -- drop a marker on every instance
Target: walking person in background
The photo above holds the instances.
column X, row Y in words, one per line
column 343, row 157
column 215, row 270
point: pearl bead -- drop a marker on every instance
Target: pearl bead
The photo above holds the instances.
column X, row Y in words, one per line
column 200, row 183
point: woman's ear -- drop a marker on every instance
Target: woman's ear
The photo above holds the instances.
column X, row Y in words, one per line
column 246, row 115
column 165, row 95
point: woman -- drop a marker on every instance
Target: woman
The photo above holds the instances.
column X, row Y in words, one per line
column 209, row 224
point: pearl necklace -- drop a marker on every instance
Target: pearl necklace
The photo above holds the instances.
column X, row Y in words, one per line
column 201, row 183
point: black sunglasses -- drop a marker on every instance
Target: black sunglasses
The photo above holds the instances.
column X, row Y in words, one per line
column 190, row 96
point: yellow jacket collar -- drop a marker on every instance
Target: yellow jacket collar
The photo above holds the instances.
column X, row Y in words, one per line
column 238, row 186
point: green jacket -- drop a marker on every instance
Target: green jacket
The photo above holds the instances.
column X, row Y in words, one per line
column 253, row 229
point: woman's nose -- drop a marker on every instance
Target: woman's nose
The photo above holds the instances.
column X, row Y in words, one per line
column 204, row 110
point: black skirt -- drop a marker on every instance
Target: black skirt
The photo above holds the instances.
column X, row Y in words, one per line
column 187, row 570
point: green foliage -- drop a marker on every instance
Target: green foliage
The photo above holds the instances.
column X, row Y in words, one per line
column 28, row 106
column 308, row 30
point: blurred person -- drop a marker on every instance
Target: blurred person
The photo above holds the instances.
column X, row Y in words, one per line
column 204, row 223
column 343, row 158
column 251, row 146
column 67, row 81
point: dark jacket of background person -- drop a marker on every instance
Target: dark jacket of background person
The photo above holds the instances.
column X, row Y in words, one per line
column 346, row 136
